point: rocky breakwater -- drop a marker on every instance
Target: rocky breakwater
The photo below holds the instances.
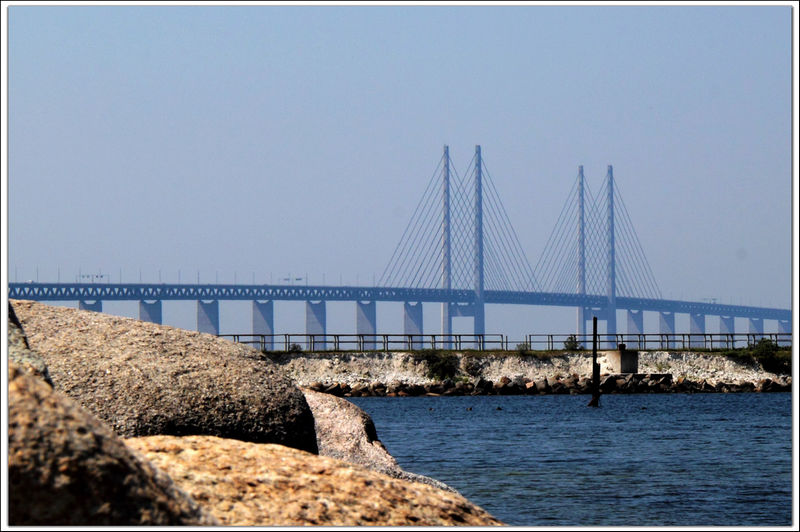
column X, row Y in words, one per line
column 435, row 373
column 119, row 422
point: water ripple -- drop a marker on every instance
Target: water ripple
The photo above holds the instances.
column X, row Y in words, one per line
column 639, row 460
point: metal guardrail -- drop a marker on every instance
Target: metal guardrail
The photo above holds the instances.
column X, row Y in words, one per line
column 370, row 342
column 500, row 342
column 657, row 340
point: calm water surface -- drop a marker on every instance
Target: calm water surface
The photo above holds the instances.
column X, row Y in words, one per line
column 638, row 460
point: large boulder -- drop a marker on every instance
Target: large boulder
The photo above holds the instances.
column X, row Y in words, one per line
column 65, row 467
column 346, row 432
column 143, row 379
column 248, row 484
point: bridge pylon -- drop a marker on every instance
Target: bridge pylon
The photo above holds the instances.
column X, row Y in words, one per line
column 479, row 322
column 611, row 268
column 447, row 318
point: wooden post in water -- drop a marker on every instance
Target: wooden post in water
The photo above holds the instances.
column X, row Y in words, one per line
column 595, row 401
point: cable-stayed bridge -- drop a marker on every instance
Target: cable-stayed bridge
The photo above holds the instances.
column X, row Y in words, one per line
column 461, row 251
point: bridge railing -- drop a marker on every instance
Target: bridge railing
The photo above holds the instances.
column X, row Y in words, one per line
column 551, row 342
column 484, row 342
column 369, row 342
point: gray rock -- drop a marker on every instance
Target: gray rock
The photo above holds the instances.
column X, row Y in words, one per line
column 542, row 386
column 146, row 379
column 67, row 468
column 346, row 432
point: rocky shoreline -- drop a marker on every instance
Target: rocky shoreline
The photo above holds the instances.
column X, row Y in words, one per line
column 114, row 421
column 119, row 422
column 402, row 374
column 573, row 385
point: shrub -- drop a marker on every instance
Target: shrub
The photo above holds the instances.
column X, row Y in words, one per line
column 295, row 348
column 765, row 348
column 441, row 365
column 780, row 362
column 571, row 343
column 767, row 354
column 771, row 358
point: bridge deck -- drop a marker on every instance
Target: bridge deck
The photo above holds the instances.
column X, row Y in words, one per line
column 188, row 292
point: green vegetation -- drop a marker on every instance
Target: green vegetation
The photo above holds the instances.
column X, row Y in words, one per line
column 767, row 353
column 441, row 364
column 572, row 344
column 523, row 348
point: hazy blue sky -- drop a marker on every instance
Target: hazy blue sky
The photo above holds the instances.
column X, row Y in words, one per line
column 260, row 141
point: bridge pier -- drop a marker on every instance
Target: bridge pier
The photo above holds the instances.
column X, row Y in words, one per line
column 316, row 324
column 412, row 321
column 150, row 311
column 208, row 317
column 726, row 325
column 755, row 325
column 635, row 322
column 697, row 325
column 666, row 326
column 366, row 323
column 666, row 322
column 94, row 306
column 263, row 323
column 581, row 329
column 447, row 326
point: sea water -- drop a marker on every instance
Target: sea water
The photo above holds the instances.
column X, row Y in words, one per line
column 638, row 460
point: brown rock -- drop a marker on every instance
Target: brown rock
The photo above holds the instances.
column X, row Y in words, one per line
column 346, row 432
column 747, row 387
column 413, row 390
column 608, row 383
column 333, row 389
column 482, row 386
column 142, row 378
column 570, row 382
column 246, row 484
column 65, row 467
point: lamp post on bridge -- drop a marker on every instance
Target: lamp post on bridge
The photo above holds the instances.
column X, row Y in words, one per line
column 92, row 277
